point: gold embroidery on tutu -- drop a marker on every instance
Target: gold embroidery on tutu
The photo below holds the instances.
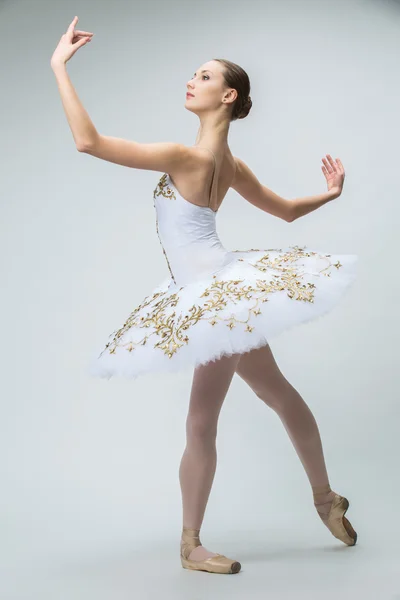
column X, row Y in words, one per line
column 285, row 276
column 264, row 263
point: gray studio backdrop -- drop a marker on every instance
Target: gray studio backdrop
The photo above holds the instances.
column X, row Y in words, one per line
column 89, row 467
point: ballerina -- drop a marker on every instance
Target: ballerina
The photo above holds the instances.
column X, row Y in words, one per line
column 217, row 309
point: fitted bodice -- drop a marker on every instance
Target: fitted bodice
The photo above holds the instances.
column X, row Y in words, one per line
column 188, row 235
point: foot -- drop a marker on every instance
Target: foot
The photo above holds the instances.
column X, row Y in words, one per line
column 200, row 553
column 331, row 508
column 195, row 556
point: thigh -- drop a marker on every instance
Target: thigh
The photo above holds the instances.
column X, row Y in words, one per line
column 258, row 368
column 210, row 385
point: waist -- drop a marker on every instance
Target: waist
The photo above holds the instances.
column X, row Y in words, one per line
column 196, row 261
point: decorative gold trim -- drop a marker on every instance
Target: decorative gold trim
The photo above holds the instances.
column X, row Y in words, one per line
column 163, row 189
column 285, row 275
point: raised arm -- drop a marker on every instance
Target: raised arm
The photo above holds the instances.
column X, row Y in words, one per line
column 252, row 190
column 158, row 156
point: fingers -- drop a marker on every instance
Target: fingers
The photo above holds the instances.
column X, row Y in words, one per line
column 332, row 168
column 72, row 25
column 77, row 37
column 81, row 42
column 78, row 33
column 341, row 167
column 331, row 165
column 69, row 34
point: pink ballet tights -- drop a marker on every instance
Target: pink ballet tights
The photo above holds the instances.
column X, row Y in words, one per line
column 210, row 385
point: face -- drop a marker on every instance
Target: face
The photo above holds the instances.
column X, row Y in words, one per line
column 206, row 90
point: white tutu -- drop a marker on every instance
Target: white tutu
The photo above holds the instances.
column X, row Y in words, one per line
column 241, row 306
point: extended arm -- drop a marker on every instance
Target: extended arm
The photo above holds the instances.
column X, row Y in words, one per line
column 303, row 206
column 248, row 186
column 251, row 189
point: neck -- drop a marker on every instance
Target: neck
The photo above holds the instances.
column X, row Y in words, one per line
column 213, row 131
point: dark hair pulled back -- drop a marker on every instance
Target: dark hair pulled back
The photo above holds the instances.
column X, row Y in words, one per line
column 237, row 78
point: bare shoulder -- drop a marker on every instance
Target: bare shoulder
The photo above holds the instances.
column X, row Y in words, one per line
column 244, row 181
column 193, row 160
column 247, row 184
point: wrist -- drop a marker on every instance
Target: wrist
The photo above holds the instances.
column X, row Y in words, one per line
column 58, row 65
column 334, row 193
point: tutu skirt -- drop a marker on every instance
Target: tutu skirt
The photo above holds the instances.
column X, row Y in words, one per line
column 242, row 306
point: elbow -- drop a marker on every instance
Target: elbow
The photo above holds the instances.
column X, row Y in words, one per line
column 291, row 213
column 82, row 147
column 85, row 146
column 88, row 144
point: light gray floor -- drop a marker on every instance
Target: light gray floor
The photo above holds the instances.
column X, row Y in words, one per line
column 291, row 557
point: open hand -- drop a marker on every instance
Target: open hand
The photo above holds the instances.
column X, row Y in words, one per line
column 69, row 43
column 334, row 173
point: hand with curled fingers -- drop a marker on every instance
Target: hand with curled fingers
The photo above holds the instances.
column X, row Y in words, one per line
column 70, row 42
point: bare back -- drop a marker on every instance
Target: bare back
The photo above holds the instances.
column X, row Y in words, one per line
column 208, row 182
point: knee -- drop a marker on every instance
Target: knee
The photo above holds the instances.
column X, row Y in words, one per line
column 270, row 399
column 275, row 396
column 200, row 429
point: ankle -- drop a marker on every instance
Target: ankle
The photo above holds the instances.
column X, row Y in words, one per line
column 191, row 533
column 322, row 494
column 321, row 489
column 190, row 538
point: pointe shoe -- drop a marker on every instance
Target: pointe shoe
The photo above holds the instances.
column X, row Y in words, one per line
column 213, row 564
column 335, row 520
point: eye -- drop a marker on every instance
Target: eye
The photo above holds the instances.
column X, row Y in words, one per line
column 202, row 76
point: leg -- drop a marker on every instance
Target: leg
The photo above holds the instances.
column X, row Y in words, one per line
column 210, row 385
column 260, row 371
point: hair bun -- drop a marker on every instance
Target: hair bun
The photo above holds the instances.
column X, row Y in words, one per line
column 246, row 106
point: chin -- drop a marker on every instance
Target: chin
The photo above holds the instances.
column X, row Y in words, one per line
column 188, row 107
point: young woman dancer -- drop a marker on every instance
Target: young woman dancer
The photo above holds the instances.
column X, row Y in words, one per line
column 218, row 308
